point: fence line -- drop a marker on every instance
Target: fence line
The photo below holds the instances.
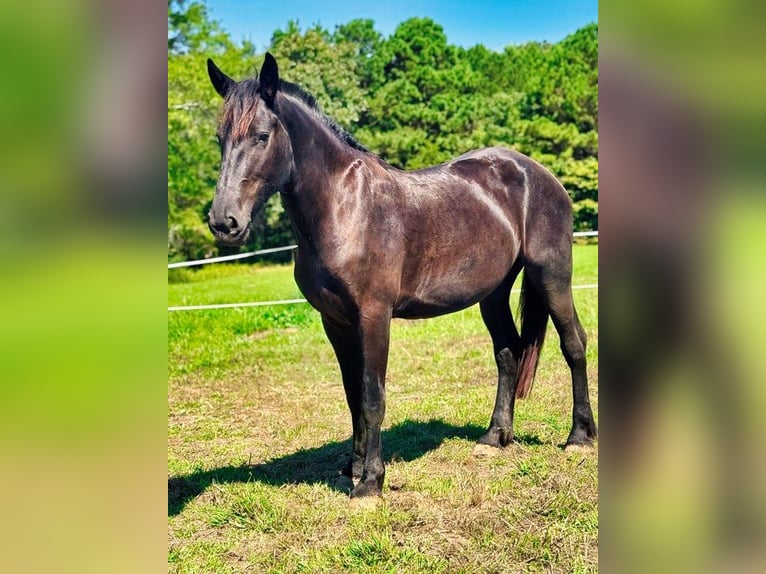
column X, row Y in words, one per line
column 230, row 257
column 289, row 248
column 293, row 301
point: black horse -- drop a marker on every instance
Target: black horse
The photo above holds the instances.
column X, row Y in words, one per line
column 375, row 242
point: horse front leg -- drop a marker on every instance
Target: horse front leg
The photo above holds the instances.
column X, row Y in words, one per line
column 346, row 344
column 374, row 330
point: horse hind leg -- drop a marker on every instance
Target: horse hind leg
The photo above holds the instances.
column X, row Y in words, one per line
column 555, row 288
column 506, row 343
column 573, row 346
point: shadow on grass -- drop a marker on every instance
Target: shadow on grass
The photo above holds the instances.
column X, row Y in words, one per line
column 403, row 442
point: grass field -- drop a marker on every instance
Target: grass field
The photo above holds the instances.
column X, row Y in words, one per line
column 258, row 429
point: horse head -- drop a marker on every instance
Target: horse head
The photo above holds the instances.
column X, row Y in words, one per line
column 256, row 155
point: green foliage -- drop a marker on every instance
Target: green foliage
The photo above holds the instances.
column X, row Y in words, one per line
column 326, row 69
column 191, row 30
column 193, row 155
column 411, row 97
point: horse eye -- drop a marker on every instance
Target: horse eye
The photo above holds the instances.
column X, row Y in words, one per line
column 263, row 137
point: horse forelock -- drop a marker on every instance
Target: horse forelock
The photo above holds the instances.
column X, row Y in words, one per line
column 239, row 109
column 242, row 103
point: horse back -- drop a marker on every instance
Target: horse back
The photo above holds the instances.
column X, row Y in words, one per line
column 465, row 225
column 430, row 241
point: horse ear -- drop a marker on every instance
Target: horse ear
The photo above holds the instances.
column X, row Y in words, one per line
column 269, row 78
column 221, row 82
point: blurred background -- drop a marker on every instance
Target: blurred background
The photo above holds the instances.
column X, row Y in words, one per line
column 84, row 237
column 83, row 320
column 682, row 231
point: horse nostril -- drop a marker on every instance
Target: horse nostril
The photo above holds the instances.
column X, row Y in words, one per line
column 233, row 223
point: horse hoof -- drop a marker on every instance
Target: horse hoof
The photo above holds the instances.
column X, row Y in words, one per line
column 368, row 489
column 365, row 503
column 485, row 451
column 497, row 437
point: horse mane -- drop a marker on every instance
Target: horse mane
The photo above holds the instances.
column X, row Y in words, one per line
column 238, row 117
column 310, row 102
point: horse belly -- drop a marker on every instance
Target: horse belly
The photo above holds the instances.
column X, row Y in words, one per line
column 449, row 290
column 413, row 308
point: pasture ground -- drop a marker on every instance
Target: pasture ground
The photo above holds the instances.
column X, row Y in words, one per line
column 258, row 428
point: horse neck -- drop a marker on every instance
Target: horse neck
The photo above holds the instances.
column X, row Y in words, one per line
column 318, row 157
column 315, row 147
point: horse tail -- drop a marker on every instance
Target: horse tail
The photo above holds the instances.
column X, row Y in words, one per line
column 534, row 321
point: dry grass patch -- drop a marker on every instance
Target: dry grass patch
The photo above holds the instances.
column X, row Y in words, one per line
column 258, row 429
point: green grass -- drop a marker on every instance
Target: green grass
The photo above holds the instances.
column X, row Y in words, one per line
column 258, row 428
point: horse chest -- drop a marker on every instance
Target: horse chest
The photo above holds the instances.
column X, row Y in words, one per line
column 323, row 290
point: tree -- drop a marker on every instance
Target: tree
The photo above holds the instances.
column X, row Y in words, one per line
column 411, row 97
column 191, row 30
column 193, row 105
column 325, row 66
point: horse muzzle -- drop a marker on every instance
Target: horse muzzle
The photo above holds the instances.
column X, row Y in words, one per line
column 229, row 229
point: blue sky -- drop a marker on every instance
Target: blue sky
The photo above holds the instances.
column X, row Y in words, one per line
column 494, row 23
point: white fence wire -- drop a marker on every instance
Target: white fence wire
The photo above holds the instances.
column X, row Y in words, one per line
column 230, row 257
column 178, row 264
column 294, row 301
column 290, row 301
